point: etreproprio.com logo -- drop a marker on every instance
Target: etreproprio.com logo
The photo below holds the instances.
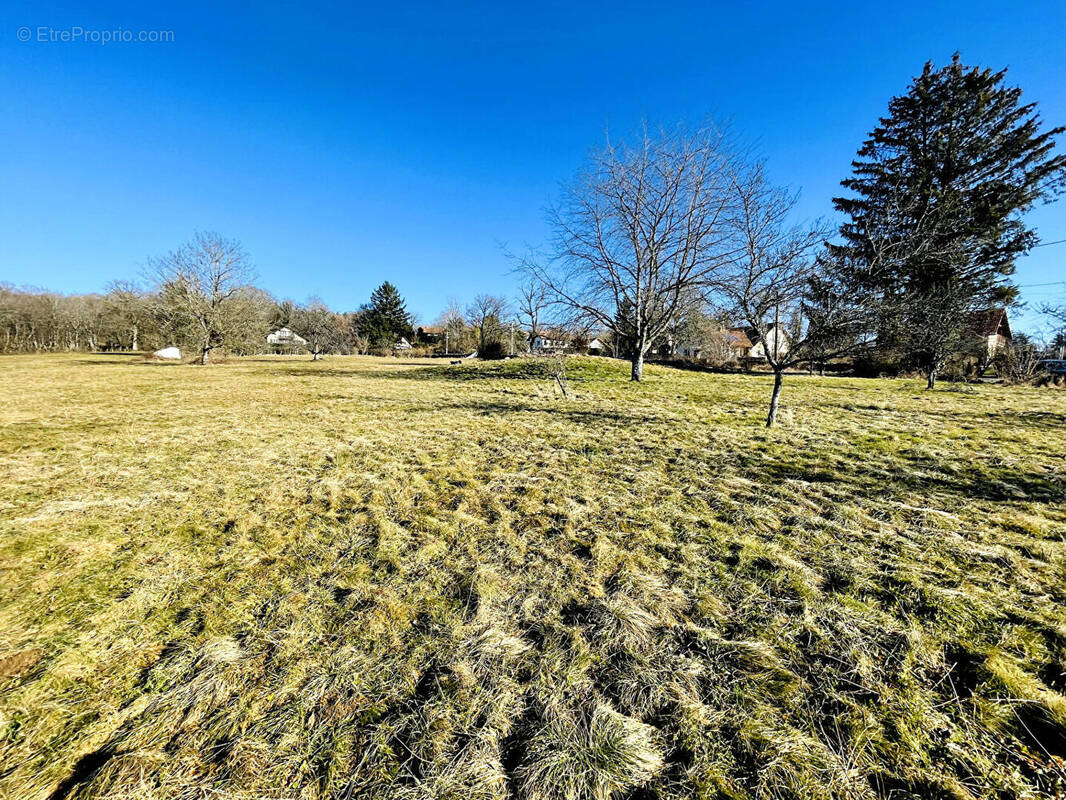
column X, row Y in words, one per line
column 76, row 34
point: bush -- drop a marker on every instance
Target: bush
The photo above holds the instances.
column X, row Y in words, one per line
column 492, row 351
column 1018, row 361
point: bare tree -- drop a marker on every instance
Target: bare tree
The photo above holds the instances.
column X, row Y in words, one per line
column 319, row 326
column 200, row 286
column 128, row 307
column 453, row 326
column 640, row 228
column 772, row 277
column 486, row 314
column 1057, row 314
column 534, row 298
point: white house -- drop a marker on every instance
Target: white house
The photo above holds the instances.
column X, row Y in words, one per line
column 736, row 344
column 403, row 344
column 551, row 342
column 776, row 342
column 992, row 328
column 284, row 340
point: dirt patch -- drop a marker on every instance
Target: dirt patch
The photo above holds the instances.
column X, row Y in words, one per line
column 17, row 663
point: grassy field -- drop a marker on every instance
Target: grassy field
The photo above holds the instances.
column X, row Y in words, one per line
column 361, row 578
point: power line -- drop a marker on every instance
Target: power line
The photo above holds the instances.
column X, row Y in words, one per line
column 1048, row 244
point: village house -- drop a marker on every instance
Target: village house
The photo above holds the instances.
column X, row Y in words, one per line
column 430, row 334
column 993, row 330
column 736, row 344
column 284, row 340
column 776, row 342
column 551, row 342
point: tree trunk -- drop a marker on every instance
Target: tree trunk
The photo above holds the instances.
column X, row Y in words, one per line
column 315, row 355
column 203, row 355
column 774, row 398
column 637, row 371
column 134, row 348
column 934, row 368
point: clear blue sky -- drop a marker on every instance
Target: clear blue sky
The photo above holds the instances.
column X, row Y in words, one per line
column 345, row 146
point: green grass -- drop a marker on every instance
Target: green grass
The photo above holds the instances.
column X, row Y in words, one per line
column 369, row 578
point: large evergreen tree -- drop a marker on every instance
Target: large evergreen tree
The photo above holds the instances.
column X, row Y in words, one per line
column 386, row 319
column 938, row 194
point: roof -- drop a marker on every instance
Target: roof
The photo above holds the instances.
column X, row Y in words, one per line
column 285, row 336
column 555, row 334
column 740, row 337
column 991, row 321
column 431, row 328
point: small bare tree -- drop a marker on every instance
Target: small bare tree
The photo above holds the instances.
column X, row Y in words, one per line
column 774, row 276
column 486, row 314
column 128, row 307
column 1057, row 314
column 453, row 326
column 200, row 289
column 637, row 231
column 319, row 326
column 533, row 301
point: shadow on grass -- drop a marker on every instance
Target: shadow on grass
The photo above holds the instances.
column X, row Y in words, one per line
column 588, row 417
column 107, row 358
column 997, row 484
column 467, row 371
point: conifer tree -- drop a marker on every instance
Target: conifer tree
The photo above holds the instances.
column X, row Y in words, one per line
column 938, row 193
column 386, row 319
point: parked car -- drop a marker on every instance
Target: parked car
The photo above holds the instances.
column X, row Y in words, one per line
column 1056, row 366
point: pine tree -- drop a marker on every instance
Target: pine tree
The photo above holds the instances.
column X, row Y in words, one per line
column 939, row 190
column 386, row 319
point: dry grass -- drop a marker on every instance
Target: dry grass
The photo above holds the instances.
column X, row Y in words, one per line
column 370, row 578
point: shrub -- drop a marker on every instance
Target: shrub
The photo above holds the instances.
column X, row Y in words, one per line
column 492, row 351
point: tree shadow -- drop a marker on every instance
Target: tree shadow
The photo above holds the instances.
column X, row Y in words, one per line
column 996, row 484
column 582, row 416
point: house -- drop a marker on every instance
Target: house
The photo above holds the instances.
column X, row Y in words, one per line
column 551, row 342
column 597, row 347
column 992, row 328
column 776, row 342
column 430, row 334
column 718, row 345
column 736, row 342
column 284, row 340
column 401, row 345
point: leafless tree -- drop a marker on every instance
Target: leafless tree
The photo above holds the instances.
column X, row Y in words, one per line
column 453, row 323
column 128, row 308
column 1057, row 314
column 486, row 314
column 200, row 289
column 318, row 326
column 534, row 300
column 636, row 231
column 771, row 275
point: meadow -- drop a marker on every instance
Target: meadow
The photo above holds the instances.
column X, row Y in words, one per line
column 375, row 578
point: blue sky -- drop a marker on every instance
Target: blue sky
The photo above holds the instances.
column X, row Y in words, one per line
column 348, row 145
